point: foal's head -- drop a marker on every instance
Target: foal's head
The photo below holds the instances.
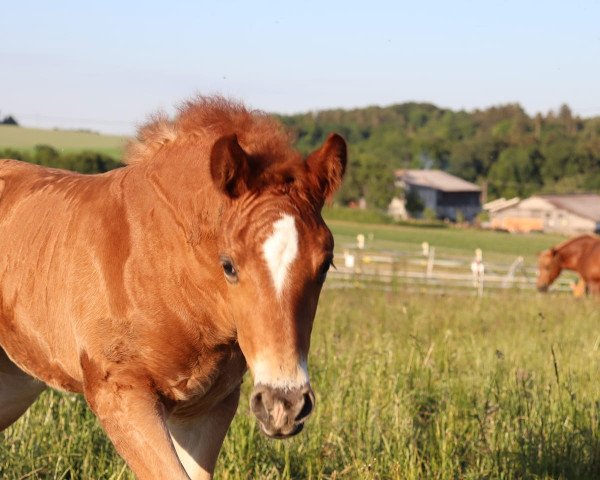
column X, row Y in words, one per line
column 275, row 251
column 549, row 267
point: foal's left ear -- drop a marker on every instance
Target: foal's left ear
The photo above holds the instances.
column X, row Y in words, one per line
column 229, row 167
column 328, row 165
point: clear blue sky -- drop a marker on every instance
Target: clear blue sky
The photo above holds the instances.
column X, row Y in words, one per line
column 107, row 64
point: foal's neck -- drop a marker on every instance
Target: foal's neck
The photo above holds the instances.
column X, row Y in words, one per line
column 572, row 252
column 184, row 187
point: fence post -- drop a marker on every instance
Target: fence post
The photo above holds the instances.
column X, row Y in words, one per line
column 360, row 241
column 478, row 271
column 430, row 261
column 510, row 276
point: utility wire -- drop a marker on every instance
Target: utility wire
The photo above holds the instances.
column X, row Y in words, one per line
column 73, row 119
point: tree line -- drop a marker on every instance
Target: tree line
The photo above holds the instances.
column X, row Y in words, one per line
column 501, row 148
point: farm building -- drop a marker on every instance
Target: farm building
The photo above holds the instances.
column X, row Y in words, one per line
column 568, row 214
column 450, row 197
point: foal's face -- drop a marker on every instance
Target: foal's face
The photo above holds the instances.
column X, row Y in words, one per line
column 275, row 262
column 275, row 251
column 548, row 269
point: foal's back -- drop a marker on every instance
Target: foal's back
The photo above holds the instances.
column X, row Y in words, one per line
column 590, row 261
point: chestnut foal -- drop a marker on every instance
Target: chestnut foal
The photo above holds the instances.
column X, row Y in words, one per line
column 580, row 254
column 152, row 288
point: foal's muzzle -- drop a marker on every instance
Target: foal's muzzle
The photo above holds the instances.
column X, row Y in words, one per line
column 282, row 412
column 542, row 288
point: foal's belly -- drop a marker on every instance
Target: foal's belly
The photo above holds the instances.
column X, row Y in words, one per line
column 36, row 359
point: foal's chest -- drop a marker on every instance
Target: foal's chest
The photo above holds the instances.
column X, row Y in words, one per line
column 206, row 385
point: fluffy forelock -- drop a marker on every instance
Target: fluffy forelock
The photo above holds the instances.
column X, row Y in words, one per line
column 208, row 118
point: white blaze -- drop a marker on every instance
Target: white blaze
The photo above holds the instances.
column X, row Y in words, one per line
column 280, row 250
column 265, row 374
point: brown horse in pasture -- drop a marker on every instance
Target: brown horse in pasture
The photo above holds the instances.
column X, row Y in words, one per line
column 152, row 288
column 580, row 254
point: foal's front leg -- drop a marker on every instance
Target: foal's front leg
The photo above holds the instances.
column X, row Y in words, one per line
column 133, row 417
column 198, row 439
column 594, row 286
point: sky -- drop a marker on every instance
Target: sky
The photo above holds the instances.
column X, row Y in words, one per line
column 107, row 65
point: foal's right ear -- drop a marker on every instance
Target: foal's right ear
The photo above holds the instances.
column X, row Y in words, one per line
column 229, row 166
column 328, row 165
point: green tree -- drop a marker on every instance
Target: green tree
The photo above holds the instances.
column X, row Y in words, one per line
column 516, row 173
column 46, row 155
column 517, row 153
column 414, row 205
column 89, row 162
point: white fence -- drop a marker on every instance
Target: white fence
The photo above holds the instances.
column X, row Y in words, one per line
column 391, row 270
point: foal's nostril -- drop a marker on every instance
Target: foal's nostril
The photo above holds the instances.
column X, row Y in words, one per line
column 307, row 408
column 258, row 407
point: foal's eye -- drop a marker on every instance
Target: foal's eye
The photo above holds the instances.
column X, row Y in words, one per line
column 229, row 270
column 324, row 269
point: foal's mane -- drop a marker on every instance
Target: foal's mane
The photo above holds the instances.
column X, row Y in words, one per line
column 206, row 118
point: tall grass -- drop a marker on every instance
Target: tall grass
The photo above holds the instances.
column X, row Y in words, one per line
column 417, row 387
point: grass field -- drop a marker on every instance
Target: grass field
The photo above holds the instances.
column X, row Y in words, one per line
column 408, row 387
column 21, row 138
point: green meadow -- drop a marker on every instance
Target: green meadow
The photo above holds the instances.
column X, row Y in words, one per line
column 408, row 387
column 448, row 241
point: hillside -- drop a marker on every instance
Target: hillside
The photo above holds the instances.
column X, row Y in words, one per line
column 64, row 141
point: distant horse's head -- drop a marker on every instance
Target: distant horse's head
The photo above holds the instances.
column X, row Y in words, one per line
column 549, row 267
column 275, row 251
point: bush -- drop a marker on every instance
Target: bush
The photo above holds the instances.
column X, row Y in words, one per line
column 483, row 216
column 414, row 205
column 47, row 156
column 89, row 162
column 429, row 214
column 86, row 161
column 10, row 153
